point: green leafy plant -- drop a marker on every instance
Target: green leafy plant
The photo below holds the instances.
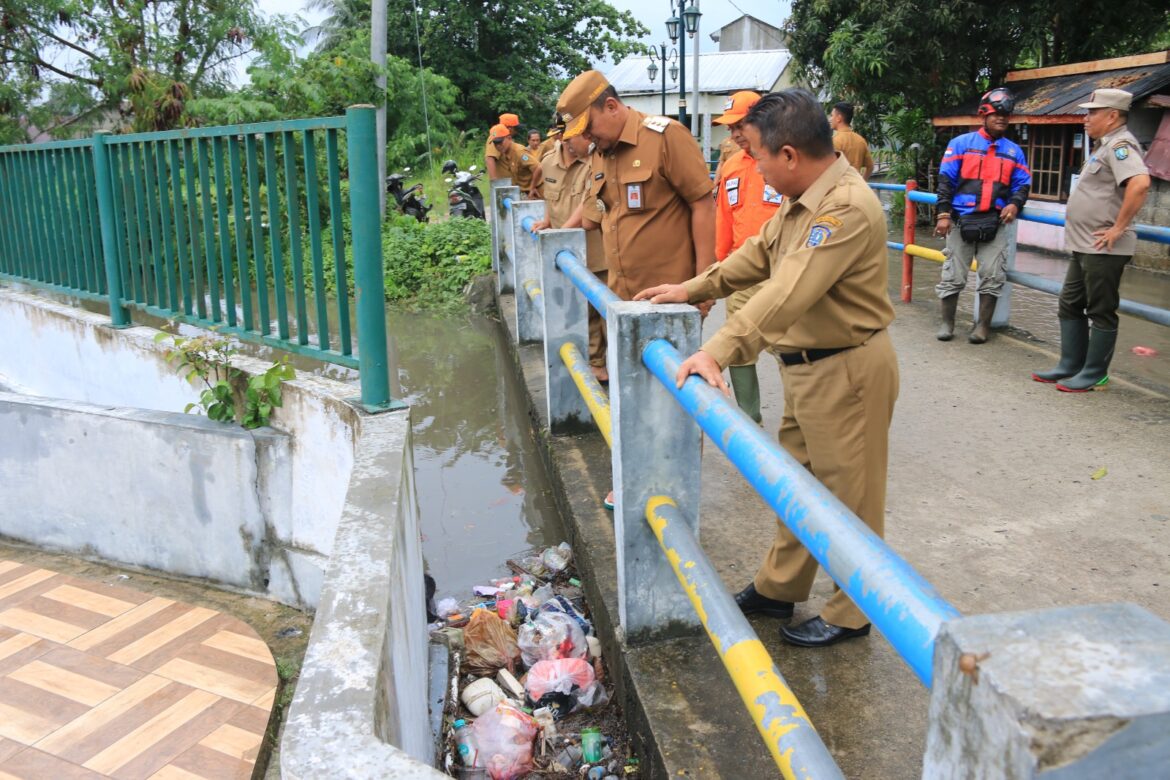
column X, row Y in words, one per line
column 229, row 393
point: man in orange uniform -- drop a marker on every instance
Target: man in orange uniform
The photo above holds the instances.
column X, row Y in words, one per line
column 743, row 203
column 491, row 153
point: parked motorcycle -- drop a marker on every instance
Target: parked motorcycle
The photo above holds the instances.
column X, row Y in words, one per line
column 464, row 198
column 410, row 201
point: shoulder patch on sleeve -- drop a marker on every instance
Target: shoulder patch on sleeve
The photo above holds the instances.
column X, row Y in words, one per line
column 1121, row 151
column 818, row 235
column 827, row 221
column 656, row 123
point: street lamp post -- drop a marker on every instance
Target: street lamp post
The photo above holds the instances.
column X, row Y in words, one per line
column 657, row 56
column 684, row 14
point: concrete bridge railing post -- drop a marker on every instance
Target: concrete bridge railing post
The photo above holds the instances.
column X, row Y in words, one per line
column 526, row 254
column 655, row 452
column 502, row 234
column 566, row 320
column 1060, row 693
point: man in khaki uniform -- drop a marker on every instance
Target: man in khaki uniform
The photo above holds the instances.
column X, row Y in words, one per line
column 490, row 153
column 1098, row 231
column 823, row 310
column 650, row 193
column 566, row 171
column 852, row 146
column 516, row 162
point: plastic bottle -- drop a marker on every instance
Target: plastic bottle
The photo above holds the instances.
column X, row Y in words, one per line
column 591, row 744
column 465, row 743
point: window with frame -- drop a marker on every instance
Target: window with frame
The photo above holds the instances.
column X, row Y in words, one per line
column 1053, row 157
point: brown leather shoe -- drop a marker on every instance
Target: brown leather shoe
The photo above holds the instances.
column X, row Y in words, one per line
column 750, row 602
column 818, row 633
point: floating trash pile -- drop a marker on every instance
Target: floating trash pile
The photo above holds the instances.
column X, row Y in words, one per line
column 528, row 682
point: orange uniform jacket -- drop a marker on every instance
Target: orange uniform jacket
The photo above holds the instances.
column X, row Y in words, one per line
column 743, row 203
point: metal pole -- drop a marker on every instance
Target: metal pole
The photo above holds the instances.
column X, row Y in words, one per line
column 119, row 316
column 909, row 222
column 378, row 57
column 662, row 47
column 368, row 276
column 682, row 67
column 696, row 98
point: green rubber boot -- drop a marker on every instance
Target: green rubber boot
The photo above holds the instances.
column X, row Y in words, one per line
column 1095, row 372
column 983, row 327
column 1074, row 343
column 746, row 386
column 948, row 306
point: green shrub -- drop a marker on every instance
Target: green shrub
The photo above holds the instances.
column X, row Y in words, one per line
column 428, row 265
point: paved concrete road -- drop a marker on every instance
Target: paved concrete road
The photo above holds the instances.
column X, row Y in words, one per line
column 991, row 497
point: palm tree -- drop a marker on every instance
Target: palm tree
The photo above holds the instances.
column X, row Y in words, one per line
column 344, row 17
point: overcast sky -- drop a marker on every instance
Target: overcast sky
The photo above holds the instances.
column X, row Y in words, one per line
column 653, row 14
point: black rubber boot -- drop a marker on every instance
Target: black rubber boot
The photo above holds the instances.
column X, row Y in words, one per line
column 1095, row 372
column 1074, row 342
column 746, row 386
column 949, row 305
column 983, row 326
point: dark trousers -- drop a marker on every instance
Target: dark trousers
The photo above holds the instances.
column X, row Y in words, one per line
column 1092, row 288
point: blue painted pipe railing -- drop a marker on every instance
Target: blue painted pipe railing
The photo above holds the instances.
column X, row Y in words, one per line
column 1126, row 306
column 598, row 294
column 902, row 605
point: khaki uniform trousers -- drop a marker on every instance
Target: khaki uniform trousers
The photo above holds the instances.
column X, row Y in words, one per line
column 836, row 423
column 737, row 300
column 597, row 342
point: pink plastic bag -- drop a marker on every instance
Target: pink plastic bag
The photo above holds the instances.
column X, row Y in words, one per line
column 557, row 676
column 504, row 738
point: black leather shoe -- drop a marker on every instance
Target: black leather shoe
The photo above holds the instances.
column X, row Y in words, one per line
column 750, row 602
column 818, row 633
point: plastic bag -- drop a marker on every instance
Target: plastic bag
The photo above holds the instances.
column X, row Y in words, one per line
column 555, row 559
column 491, row 644
column 549, row 636
column 504, row 737
column 560, row 676
column 561, row 604
column 564, row 685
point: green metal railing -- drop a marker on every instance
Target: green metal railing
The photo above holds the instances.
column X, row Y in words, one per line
column 226, row 227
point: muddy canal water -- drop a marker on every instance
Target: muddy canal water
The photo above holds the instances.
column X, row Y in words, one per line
column 483, row 493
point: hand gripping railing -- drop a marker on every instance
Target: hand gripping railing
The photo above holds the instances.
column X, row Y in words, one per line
column 1157, row 233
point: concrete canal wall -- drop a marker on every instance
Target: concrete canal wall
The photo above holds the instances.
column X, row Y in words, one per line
column 99, row 460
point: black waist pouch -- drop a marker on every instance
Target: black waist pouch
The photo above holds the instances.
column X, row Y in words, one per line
column 978, row 226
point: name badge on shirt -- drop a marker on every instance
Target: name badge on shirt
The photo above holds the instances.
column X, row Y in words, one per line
column 634, row 197
column 771, row 196
column 731, row 186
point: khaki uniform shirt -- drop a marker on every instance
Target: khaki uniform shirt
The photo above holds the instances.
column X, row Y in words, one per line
column 641, row 193
column 546, row 146
column 1096, row 201
column 855, row 149
column 823, row 256
column 727, row 147
column 517, row 164
column 564, row 190
column 490, row 150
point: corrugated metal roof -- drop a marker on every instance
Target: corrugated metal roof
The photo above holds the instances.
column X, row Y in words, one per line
column 1060, row 95
column 719, row 72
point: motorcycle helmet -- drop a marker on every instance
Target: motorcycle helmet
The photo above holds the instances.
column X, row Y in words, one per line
column 997, row 101
column 450, row 167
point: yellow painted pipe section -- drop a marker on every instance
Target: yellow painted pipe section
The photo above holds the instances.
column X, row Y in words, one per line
column 532, row 288
column 932, row 254
column 748, row 663
column 589, row 387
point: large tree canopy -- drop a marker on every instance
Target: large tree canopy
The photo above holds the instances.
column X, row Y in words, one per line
column 144, row 58
column 893, row 56
column 503, row 55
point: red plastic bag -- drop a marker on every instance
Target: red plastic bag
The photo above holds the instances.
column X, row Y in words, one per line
column 491, row 644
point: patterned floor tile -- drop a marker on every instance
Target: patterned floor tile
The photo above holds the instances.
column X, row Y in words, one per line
column 102, row 681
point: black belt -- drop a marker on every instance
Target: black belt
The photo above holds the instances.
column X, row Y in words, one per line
column 808, row 355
